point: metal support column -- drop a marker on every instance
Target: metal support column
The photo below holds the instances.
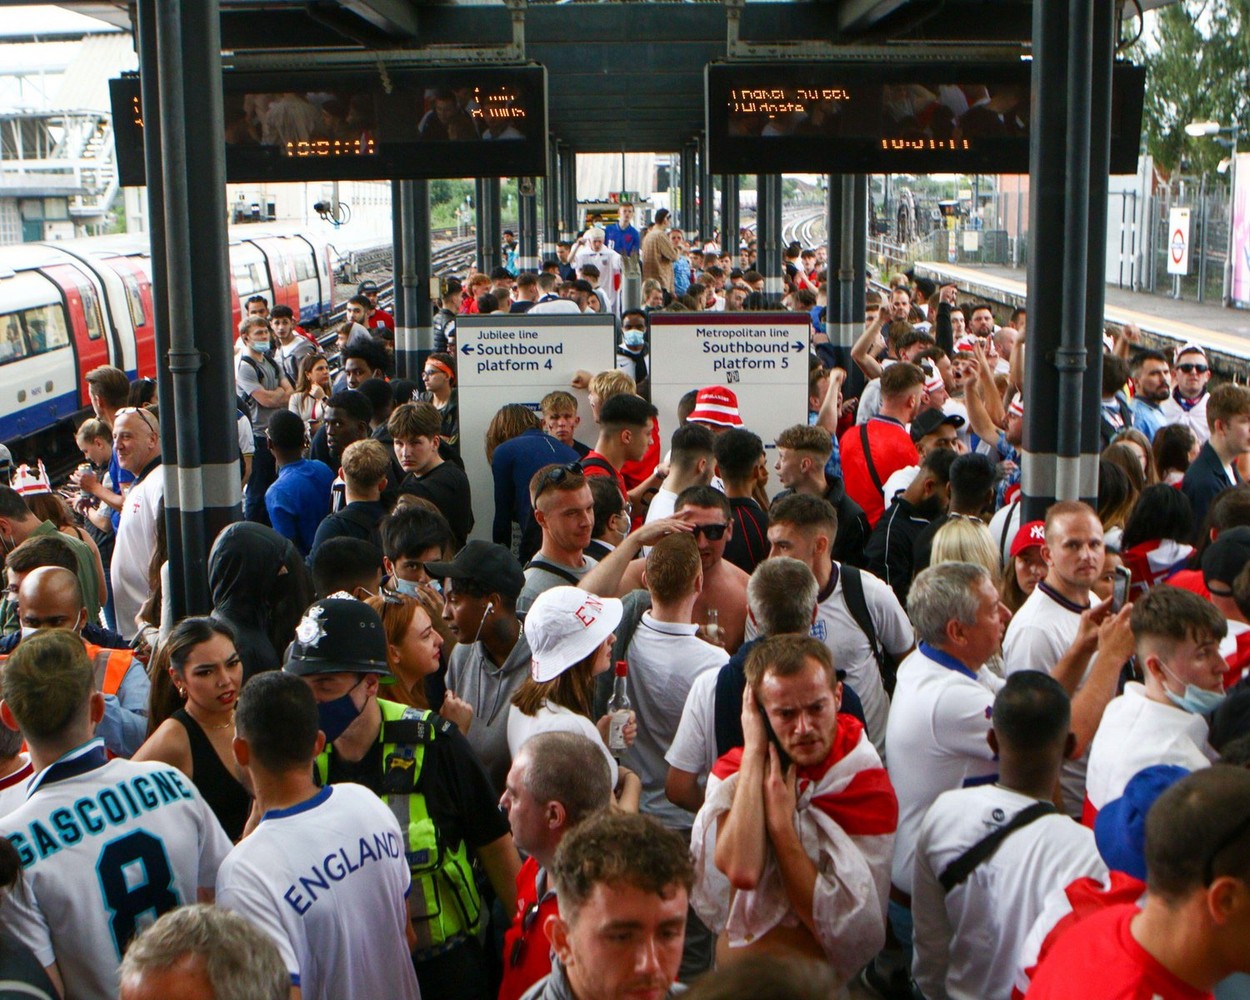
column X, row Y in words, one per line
column 527, row 224
column 570, row 225
column 729, row 221
column 403, row 320
column 486, row 194
column 1098, row 112
column 687, row 213
column 1053, row 466
column 551, row 202
column 202, row 490
column 415, row 339
column 768, row 235
column 842, row 304
column 707, row 195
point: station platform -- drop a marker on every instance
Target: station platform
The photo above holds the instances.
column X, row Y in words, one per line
column 1225, row 333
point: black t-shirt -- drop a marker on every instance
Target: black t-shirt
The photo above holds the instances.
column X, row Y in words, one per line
column 458, row 793
column 447, row 487
column 749, row 545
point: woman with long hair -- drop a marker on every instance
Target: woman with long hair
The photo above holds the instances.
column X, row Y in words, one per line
column 570, row 634
column 312, row 389
column 1025, row 567
column 196, row 676
column 52, row 507
column 1156, row 537
column 1175, row 446
column 412, row 648
column 1140, row 444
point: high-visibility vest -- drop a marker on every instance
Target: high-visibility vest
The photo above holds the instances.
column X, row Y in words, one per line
column 444, row 904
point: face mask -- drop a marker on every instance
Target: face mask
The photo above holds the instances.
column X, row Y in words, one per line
column 27, row 631
column 1196, row 700
column 407, row 587
column 634, row 338
column 333, row 717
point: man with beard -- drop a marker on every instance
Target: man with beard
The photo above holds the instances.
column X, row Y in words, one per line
column 1152, row 386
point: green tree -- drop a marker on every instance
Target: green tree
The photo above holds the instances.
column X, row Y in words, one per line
column 1198, row 69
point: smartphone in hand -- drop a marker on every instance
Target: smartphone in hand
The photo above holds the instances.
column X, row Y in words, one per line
column 782, row 756
column 1120, row 588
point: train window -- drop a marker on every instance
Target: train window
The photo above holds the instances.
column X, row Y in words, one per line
column 305, row 268
column 46, row 329
column 12, row 340
column 91, row 312
column 134, row 299
column 243, row 280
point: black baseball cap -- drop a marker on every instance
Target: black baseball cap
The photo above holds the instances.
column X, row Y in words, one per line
column 339, row 635
column 367, row 286
column 1225, row 558
column 491, row 565
column 930, row 420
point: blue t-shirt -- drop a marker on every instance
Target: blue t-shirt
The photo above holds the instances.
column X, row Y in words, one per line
column 298, row 500
column 120, row 478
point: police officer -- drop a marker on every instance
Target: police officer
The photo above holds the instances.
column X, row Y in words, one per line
column 425, row 771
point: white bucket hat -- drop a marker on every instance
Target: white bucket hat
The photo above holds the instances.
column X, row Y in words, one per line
column 565, row 625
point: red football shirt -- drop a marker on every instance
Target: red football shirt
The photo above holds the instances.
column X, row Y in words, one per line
column 526, row 951
column 892, row 449
column 1101, row 949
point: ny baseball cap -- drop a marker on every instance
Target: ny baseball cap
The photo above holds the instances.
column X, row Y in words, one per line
column 367, row 286
column 1029, row 535
column 930, row 420
column 565, row 625
column 714, row 404
column 1225, row 558
column 491, row 565
column 339, row 635
column 1120, row 828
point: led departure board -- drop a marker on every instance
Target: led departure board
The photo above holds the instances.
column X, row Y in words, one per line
column 860, row 117
column 426, row 123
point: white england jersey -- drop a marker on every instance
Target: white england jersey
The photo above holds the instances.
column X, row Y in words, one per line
column 326, row 880
column 106, row 847
column 967, row 941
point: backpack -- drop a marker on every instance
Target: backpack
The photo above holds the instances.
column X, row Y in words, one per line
column 853, row 592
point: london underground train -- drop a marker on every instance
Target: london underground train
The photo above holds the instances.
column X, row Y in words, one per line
column 70, row 306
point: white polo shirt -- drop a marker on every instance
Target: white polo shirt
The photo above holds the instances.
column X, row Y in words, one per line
column 1137, row 732
column 132, row 550
column 939, row 721
column 664, row 660
column 967, row 941
column 1037, row 637
column 694, row 745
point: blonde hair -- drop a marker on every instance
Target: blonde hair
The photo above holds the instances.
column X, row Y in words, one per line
column 607, row 384
column 965, row 539
column 365, row 463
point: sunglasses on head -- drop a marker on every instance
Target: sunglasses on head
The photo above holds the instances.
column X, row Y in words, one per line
column 558, row 475
column 1189, row 369
column 712, row 532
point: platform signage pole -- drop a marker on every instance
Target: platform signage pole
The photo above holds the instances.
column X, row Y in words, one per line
column 514, row 358
column 760, row 356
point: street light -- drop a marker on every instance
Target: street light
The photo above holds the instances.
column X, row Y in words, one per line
column 1213, row 130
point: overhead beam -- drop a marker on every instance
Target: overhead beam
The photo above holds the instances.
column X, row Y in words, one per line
column 397, row 18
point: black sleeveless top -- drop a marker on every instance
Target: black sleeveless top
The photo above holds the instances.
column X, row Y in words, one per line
column 226, row 797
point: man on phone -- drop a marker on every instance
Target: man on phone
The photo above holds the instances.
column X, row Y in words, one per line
column 756, row 826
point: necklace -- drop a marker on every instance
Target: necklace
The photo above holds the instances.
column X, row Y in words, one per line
column 224, row 725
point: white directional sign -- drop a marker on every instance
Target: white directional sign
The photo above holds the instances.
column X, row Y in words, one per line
column 514, row 358
column 761, row 357
column 1178, row 241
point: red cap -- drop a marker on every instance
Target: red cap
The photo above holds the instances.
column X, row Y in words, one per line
column 1029, row 535
column 715, row 404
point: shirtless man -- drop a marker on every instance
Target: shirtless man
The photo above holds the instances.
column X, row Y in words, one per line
column 706, row 511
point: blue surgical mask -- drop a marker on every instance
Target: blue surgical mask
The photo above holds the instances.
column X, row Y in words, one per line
column 1197, row 700
column 333, row 717
column 27, row 631
column 634, row 338
column 409, row 588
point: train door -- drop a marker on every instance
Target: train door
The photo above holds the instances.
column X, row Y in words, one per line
column 251, row 275
column 281, row 271
column 136, row 302
column 86, row 318
column 39, row 379
column 312, row 301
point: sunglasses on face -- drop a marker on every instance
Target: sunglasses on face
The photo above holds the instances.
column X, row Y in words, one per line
column 558, row 475
column 1189, row 369
column 712, row 532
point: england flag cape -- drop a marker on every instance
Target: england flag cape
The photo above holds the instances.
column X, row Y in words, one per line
column 1068, row 906
column 1153, row 561
column 846, row 817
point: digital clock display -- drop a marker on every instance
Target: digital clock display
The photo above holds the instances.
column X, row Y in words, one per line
column 861, row 117
column 427, row 123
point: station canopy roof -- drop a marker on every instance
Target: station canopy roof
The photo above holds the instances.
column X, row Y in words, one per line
column 622, row 76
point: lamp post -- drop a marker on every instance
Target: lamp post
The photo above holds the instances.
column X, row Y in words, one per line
column 1214, row 130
